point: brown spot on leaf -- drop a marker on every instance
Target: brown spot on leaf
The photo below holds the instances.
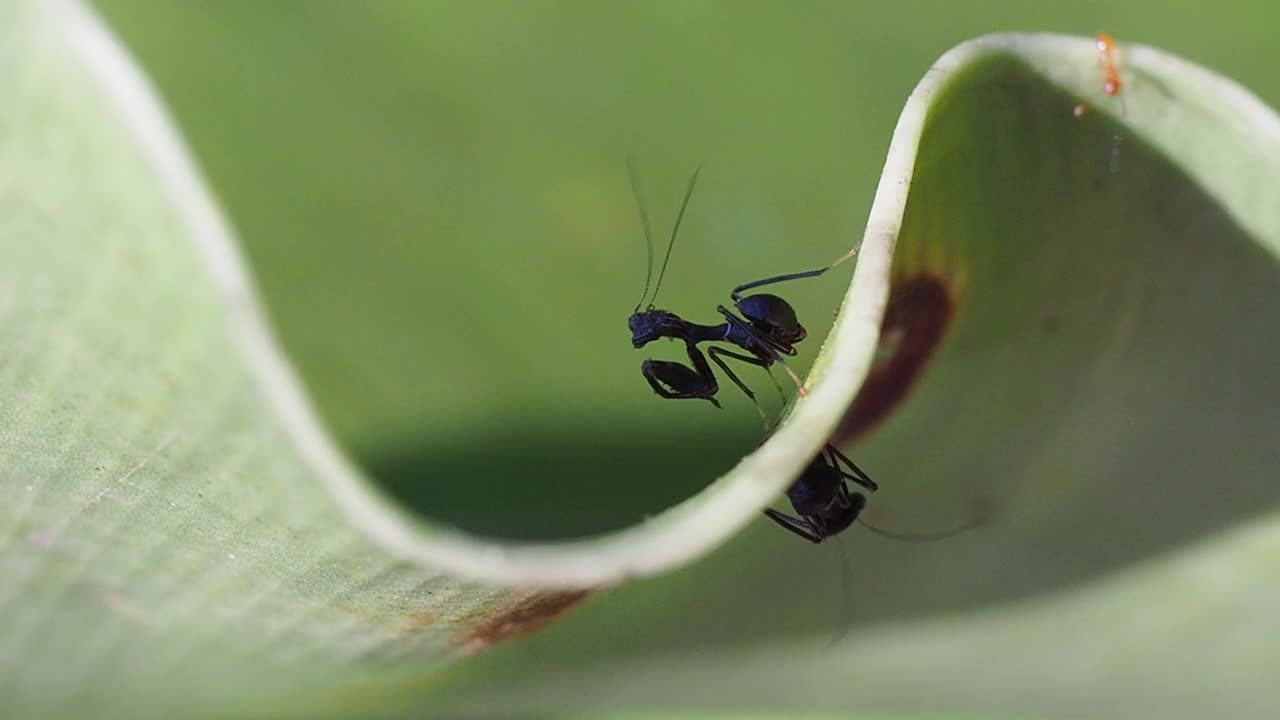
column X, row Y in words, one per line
column 920, row 310
column 419, row 621
column 522, row 616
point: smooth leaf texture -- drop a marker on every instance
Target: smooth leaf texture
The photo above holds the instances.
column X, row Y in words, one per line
column 182, row 534
column 1111, row 382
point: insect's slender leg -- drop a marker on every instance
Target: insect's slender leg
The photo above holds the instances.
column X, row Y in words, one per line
column 981, row 515
column 795, row 525
column 716, row 352
column 843, row 495
column 920, row 536
column 736, row 292
column 794, row 377
column 858, row 475
column 751, row 359
column 781, row 396
column 754, row 361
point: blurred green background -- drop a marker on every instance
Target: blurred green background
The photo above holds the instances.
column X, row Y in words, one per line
column 434, row 202
column 433, row 199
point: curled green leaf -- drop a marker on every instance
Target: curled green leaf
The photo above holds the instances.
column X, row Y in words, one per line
column 181, row 532
column 1080, row 336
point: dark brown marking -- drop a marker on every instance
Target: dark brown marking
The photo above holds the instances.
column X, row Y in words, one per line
column 521, row 617
column 920, row 309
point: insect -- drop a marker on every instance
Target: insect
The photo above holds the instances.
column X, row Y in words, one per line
column 822, row 499
column 1108, row 58
column 1112, row 84
column 826, row 507
column 765, row 326
column 1107, row 53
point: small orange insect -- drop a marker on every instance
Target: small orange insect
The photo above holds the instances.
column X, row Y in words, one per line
column 1110, row 66
column 1109, row 58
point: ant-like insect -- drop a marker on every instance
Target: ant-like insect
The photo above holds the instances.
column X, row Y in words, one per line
column 1112, row 85
column 827, row 507
column 1107, row 56
column 767, row 328
column 822, row 499
column 1109, row 62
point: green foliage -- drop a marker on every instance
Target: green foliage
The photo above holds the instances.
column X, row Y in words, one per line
column 181, row 537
